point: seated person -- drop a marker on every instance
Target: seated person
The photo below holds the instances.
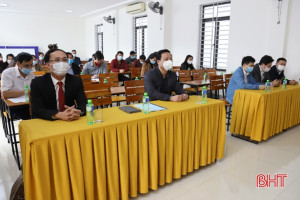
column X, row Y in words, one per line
column 96, row 66
column 131, row 58
column 14, row 80
column 160, row 82
column 139, row 62
column 74, row 68
column 5, row 64
column 188, row 63
column 57, row 95
column 149, row 64
column 260, row 70
column 1, row 60
column 75, row 58
column 36, row 65
column 119, row 65
column 243, row 79
column 41, row 61
column 277, row 72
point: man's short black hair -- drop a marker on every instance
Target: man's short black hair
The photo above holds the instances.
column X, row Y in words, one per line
column 279, row 59
column 266, row 60
column 74, row 50
column 98, row 55
column 24, row 57
column 10, row 54
column 41, row 53
column 132, row 52
column 143, row 57
column 158, row 55
column 120, row 52
column 47, row 55
column 247, row 59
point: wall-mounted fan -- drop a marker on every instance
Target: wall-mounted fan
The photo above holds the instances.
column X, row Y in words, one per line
column 155, row 7
column 109, row 19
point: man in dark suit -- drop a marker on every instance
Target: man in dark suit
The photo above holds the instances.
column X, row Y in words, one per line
column 75, row 58
column 57, row 95
column 260, row 70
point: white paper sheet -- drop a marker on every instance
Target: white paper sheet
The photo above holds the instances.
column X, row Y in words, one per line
column 20, row 99
column 152, row 107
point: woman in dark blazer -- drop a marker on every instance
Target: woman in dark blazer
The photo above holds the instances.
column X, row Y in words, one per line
column 188, row 63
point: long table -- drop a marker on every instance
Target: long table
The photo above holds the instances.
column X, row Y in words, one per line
column 259, row 115
column 124, row 155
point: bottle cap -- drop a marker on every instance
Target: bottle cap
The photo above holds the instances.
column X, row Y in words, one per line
column 26, row 86
column 204, row 87
column 268, row 81
column 89, row 101
column 146, row 94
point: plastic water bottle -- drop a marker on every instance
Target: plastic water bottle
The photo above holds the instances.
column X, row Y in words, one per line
column 204, row 95
column 267, row 86
column 81, row 73
column 105, row 81
column 111, row 71
column 146, row 103
column 136, row 78
column 204, row 77
column 26, row 90
column 299, row 82
column 284, row 84
column 189, row 68
column 90, row 112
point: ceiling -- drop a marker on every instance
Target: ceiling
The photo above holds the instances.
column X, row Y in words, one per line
column 80, row 8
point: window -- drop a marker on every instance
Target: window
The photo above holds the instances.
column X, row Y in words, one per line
column 99, row 37
column 140, row 34
column 214, row 35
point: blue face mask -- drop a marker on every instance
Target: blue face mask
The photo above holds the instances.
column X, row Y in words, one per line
column 141, row 62
column 26, row 71
column 71, row 61
column 153, row 62
column 34, row 62
column 132, row 57
column 120, row 57
column 250, row 69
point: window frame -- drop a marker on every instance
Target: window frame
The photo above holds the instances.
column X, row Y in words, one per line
column 97, row 34
column 135, row 29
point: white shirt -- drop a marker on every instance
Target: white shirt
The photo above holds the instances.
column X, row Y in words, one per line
column 245, row 75
column 56, row 86
column 12, row 80
column 261, row 73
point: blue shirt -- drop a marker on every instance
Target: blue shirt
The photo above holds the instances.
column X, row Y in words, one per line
column 237, row 82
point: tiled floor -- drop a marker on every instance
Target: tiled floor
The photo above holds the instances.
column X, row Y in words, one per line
column 233, row 177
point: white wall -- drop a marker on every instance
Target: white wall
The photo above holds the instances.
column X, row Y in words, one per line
column 33, row 30
column 292, row 42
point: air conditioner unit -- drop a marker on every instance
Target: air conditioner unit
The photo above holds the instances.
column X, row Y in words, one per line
column 136, row 8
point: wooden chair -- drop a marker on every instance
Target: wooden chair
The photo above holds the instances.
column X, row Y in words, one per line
column 227, row 79
column 39, row 73
column 134, row 90
column 216, row 84
column 136, row 72
column 184, row 75
column 100, row 94
column 198, row 74
column 84, row 62
column 86, row 78
column 111, row 78
column 176, row 68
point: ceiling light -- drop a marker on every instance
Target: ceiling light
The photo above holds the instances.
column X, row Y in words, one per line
column 69, row 11
column 3, row 4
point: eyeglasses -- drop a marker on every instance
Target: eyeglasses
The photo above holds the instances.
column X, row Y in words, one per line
column 56, row 60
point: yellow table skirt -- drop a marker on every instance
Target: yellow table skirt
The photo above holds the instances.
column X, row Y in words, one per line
column 124, row 155
column 260, row 115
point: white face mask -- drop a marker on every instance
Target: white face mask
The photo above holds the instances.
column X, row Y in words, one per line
column 1, row 59
column 168, row 65
column 74, row 55
column 281, row 67
column 266, row 69
column 190, row 62
column 61, row 68
column 8, row 61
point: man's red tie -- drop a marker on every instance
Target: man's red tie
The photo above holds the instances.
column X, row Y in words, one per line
column 61, row 97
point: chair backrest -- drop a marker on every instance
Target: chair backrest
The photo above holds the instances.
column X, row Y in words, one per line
column 134, row 90
column 210, row 70
column 99, row 93
column 136, row 72
column 111, row 78
column 86, row 78
column 184, row 75
column 176, row 68
column 39, row 73
column 216, row 82
column 198, row 74
column 227, row 79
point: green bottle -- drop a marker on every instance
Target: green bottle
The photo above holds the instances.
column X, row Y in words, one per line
column 204, row 95
column 90, row 112
column 26, row 91
column 284, row 84
column 136, row 78
column 267, row 87
column 105, row 81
